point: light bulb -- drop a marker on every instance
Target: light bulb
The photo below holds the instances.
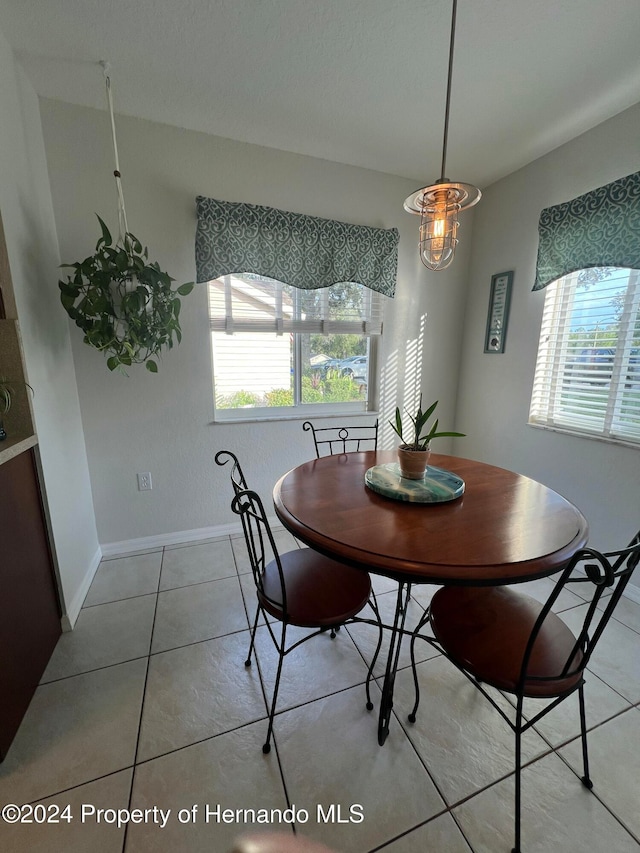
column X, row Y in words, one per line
column 438, row 229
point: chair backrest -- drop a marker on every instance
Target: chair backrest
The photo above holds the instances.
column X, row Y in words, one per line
column 255, row 527
column 238, row 480
column 602, row 571
column 260, row 543
column 332, row 440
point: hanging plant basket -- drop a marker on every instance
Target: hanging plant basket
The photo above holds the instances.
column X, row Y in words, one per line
column 123, row 303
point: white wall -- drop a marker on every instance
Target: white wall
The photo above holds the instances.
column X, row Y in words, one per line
column 25, row 202
column 494, row 390
column 162, row 423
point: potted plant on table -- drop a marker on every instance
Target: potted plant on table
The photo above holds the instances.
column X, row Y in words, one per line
column 414, row 452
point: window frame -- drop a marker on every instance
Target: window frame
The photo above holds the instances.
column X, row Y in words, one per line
column 557, row 367
column 300, row 410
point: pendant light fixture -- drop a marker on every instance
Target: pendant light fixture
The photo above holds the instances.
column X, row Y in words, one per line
column 438, row 205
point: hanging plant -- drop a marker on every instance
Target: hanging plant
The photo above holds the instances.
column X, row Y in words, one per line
column 123, row 303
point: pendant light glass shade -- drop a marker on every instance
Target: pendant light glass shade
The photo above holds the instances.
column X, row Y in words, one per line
column 438, row 204
column 438, row 231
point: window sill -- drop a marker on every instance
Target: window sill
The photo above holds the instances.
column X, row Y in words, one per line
column 305, row 416
column 588, row 435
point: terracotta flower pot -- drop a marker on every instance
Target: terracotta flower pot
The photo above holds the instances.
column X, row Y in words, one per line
column 413, row 463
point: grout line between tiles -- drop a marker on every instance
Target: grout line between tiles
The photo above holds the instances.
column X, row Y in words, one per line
column 197, row 642
column 599, row 798
column 197, row 742
column 62, row 791
column 93, row 669
column 197, row 583
column 142, row 704
column 116, row 600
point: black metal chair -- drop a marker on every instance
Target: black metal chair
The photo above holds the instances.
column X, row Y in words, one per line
column 301, row 587
column 333, row 440
column 503, row 638
column 238, row 480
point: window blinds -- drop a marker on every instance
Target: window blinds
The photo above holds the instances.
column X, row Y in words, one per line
column 587, row 376
column 255, row 304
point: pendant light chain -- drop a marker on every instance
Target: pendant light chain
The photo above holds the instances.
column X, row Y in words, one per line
column 122, row 214
column 445, row 140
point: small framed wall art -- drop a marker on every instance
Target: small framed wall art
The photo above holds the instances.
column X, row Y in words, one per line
column 498, row 315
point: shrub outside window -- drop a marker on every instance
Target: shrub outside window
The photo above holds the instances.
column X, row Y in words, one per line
column 587, row 377
column 279, row 351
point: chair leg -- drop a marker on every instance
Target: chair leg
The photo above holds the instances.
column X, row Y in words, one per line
column 518, row 781
column 416, row 686
column 412, row 648
column 586, row 779
column 374, row 606
column 253, row 637
column 266, row 747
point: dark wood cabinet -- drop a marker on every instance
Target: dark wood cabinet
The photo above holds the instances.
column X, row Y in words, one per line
column 29, row 608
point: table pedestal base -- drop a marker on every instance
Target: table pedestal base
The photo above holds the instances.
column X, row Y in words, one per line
column 395, row 642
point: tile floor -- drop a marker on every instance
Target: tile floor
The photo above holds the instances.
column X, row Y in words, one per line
column 147, row 706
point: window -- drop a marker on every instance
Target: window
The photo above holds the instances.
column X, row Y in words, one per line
column 587, row 377
column 279, row 350
column 292, row 332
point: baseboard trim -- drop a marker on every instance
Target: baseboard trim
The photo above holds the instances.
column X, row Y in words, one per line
column 179, row 537
column 73, row 610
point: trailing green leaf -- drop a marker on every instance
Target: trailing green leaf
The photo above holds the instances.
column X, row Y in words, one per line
column 106, row 234
column 123, row 303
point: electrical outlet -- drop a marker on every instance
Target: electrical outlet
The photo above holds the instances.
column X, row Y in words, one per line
column 144, row 481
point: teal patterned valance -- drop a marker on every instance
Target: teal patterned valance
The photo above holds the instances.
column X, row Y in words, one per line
column 303, row 251
column 598, row 229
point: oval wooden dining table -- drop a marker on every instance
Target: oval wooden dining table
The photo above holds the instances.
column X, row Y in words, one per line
column 506, row 528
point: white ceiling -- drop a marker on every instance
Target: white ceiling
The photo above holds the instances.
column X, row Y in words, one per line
column 356, row 81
